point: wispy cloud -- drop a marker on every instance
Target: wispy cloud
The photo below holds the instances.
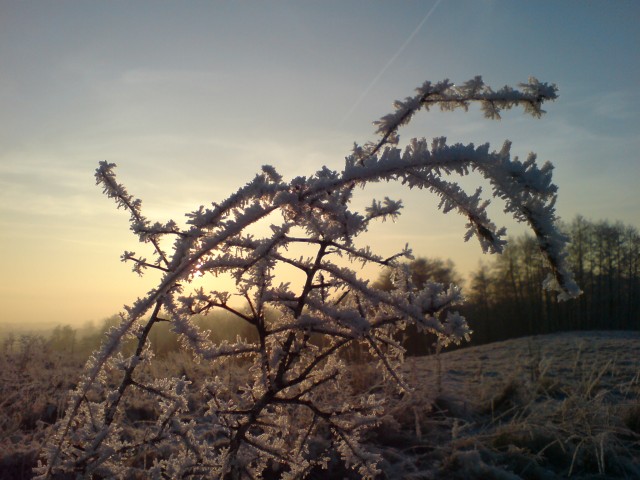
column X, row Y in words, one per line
column 618, row 105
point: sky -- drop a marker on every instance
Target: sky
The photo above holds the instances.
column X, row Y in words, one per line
column 191, row 98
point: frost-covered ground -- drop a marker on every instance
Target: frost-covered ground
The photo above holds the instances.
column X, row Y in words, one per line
column 539, row 407
column 555, row 406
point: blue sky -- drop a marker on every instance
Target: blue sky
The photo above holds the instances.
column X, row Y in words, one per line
column 191, row 98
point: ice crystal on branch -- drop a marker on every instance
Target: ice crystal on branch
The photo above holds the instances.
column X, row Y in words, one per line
column 292, row 409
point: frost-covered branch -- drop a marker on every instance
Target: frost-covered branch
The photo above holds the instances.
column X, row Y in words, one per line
column 448, row 96
column 294, row 391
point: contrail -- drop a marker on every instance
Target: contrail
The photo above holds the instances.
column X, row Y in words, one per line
column 389, row 63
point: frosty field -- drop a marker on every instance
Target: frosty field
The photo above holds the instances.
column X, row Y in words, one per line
column 558, row 406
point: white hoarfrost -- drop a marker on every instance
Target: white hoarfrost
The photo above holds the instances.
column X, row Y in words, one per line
column 295, row 413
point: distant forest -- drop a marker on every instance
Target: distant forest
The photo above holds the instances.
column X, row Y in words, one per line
column 505, row 298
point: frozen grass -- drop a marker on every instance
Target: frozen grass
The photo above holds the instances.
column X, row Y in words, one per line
column 33, row 385
column 555, row 406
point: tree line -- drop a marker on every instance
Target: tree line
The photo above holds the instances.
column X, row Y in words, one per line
column 506, row 298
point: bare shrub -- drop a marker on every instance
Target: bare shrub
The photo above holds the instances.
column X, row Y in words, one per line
column 292, row 412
